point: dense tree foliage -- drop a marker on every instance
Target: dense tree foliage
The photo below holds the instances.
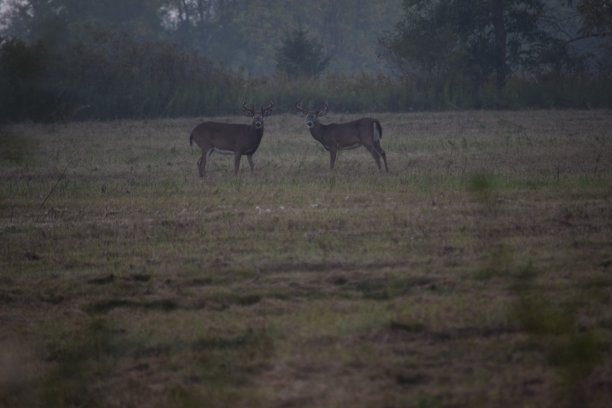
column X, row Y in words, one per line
column 23, row 92
column 107, row 74
column 474, row 40
column 597, row 15
column 465, row 46
column 143, row 58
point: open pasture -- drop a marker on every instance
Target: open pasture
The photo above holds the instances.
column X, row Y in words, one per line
column 478, row 272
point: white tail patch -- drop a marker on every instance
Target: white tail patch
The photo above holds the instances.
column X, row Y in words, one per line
column 375, row 133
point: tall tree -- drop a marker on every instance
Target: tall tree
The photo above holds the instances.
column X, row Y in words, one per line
column 501, row 37
column 300, row 56
column 474, row 39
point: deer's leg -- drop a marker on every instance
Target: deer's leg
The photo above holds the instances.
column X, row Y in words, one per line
column 250, row 158
column 332, row 157
column 202, row 164
column 237, row 157
column 382, row 153
column 374, row 154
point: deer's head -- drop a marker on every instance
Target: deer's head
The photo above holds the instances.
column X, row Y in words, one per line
column 258, row 117
column 311, row 116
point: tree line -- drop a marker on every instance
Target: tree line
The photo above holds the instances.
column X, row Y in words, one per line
column 86, row 59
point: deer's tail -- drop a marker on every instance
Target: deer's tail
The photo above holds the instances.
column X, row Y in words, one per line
column 378, row 132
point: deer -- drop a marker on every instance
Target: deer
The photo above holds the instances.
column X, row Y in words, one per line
column 230, row 138
column 365, row 132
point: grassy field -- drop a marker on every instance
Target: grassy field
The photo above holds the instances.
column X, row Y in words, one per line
column 477, row 273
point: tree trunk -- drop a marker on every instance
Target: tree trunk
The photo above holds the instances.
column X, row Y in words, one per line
column 500, row 43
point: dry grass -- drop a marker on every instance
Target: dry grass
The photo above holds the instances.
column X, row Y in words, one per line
column 476, row 273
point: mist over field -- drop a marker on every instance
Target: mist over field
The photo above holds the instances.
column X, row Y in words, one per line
column 141, row 267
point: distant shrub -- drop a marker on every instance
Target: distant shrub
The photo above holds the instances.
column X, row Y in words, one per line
column 24, row 90
column 107, row 75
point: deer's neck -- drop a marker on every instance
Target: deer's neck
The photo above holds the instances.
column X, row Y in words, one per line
column 258, row 133
column 317, row 131
column 254, row 139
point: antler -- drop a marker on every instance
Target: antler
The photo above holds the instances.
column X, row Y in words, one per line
column 323, row 112
column 247, row 110
column 298, row 106
column 267, row 110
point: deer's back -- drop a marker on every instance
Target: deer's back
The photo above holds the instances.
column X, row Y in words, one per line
column 218, row 129
column 227, row 136
column 347, row 133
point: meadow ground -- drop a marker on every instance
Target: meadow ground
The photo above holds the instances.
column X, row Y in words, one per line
column 478, row 272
